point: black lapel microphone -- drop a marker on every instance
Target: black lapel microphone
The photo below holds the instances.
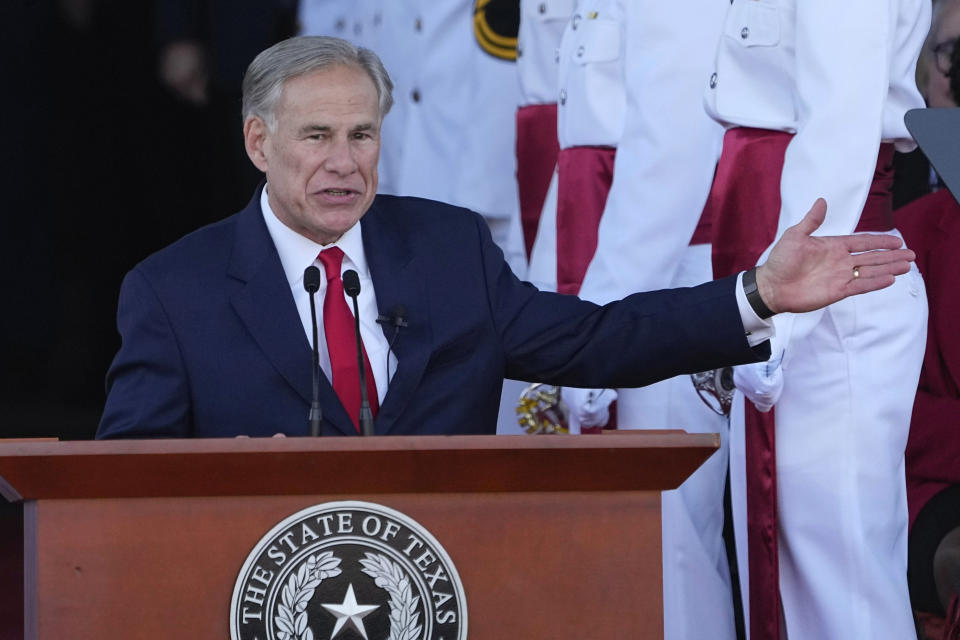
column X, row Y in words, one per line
column 396, row 318
column 351, row 286
column 311, row 282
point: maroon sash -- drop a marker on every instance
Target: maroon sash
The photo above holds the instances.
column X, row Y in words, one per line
column 704, row 231
column 585, row 175
column 744, row 206
column 537, row 149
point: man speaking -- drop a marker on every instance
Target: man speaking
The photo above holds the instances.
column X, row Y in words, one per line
column 218, row 329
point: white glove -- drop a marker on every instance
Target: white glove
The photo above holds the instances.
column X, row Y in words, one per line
column 589, row 407
column 761, row 382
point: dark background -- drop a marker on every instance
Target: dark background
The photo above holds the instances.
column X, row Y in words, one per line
column 101, row 166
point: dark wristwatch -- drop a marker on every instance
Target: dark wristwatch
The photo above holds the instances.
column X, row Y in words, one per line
column 753, row 294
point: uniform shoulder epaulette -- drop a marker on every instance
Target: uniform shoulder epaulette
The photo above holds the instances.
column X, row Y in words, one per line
column 495, row 26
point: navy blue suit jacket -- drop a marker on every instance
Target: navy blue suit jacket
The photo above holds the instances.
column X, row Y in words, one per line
column 213, row 346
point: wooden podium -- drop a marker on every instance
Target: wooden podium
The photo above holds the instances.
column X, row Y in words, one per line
column 553, row 536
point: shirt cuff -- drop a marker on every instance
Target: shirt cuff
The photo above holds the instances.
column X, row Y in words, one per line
column 756, row 328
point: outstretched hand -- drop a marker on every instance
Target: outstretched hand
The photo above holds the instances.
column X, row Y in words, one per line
column 805, row 272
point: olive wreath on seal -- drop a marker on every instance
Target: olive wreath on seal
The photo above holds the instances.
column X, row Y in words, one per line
column 403, row 604
column 291, row 619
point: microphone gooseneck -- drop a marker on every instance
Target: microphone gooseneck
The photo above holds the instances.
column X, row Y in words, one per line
column 351, row 286
column 311, row 282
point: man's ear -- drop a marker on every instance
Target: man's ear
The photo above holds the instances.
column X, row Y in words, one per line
column 254, row 139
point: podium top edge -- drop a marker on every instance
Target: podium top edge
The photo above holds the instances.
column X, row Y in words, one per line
column 666, row 438
column 348, row 466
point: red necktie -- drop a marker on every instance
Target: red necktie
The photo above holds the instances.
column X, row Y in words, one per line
column 338, row 325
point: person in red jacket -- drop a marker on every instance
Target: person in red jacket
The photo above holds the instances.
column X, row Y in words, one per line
column 931, row 226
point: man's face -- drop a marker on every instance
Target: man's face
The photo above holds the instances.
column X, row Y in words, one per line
column 321, row 161
column 937, row 92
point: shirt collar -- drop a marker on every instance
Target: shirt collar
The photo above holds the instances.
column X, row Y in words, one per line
column 298, row 252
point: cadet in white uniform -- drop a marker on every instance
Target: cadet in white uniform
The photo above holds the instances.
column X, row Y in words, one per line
column 632, row 76
column 541, row 27
column 590, row 113
column 451, row 134
column 542, row 24
column 817, row 86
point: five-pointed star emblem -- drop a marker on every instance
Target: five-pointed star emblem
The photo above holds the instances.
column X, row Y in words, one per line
column 349, row 613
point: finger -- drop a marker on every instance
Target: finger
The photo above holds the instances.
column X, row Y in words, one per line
column 896, row 268
column 814, row 218
column 883, row 257
column 866, row 285
column 870, row 242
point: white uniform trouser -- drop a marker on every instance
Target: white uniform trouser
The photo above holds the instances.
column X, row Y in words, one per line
column 697, row 601
column 841, row 429
column 542, row 270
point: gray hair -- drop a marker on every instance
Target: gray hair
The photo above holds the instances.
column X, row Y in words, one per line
column 263, row 82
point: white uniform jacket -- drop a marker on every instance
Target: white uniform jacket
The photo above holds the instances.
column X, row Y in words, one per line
column 542, row 23
column 668, row 147
column 809, row 67
column 798, row 66
column 450, row 135
column 591, row 99
column 351, row 20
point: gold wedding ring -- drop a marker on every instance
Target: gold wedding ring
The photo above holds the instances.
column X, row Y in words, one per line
column 856, row 272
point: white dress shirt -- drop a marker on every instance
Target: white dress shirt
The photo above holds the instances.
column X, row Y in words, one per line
column 296, row 254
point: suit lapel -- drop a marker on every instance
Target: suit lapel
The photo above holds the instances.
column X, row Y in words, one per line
column 266, row 307
column 399, row 278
